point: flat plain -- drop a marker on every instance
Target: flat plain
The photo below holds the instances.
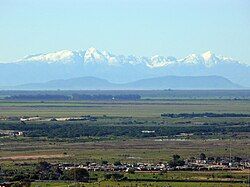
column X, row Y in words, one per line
column 127, row 148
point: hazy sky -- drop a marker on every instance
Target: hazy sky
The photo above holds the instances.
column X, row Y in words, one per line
column 139, row 27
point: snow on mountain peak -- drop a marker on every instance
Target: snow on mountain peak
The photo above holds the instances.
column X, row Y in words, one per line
column 160, row 61
column 210, row 59
column 64, row 56
column 92, row 55
column 111, row 59
column 207, row 59
column 207, row 55
column 191, row 59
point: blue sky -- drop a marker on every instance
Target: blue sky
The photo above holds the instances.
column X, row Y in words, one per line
column 138, row 27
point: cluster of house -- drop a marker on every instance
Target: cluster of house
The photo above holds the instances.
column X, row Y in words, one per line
column 196, row 165
column 11, row 133
column 23, row 118
column 82, row 118
column 200, row 165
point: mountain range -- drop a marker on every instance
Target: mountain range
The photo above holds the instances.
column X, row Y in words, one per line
column 120, row 69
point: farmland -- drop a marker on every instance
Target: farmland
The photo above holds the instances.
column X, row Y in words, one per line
column 131, row 131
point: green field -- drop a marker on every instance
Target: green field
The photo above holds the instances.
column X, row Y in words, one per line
column 140, row 184
column 145, row 109
column 127, row 147
column 125, row 150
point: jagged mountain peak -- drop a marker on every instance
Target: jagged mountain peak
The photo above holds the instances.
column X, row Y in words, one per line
column 93, row 55
column 158, row 61
column 191, row 59
column 207, row 55
column 118, row 68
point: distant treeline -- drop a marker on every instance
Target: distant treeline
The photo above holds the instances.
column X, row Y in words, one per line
column 105, row 97
column 79, row 130
column 202, row 115
column 38, row 97
column 152, row 94
column 74, row 97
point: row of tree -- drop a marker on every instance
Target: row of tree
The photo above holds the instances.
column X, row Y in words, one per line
column 79, row 130
column 46, row 171
column 53, row 97
column 201, row 115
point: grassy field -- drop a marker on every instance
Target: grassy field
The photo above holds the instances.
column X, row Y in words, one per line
column 15, row 150
column 145, row 109
column 126, row 150
column 140, row 184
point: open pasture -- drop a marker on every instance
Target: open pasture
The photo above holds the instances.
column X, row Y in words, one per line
column 126, row 150
column 116, row 134
column 138, row 184
column 143, row 108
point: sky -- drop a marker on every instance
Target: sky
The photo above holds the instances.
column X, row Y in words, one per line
column 138, row 27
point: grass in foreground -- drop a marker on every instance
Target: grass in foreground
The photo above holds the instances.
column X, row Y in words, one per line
column 137, row 184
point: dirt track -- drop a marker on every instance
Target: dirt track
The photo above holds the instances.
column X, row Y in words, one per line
column 32, row 157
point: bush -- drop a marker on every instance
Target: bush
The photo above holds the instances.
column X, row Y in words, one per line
column 114, row 176
column 79, row 174
column 117, row 163
column 176, row 161
column 104, row 162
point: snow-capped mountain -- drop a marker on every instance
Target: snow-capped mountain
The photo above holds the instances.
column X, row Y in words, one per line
column 64, row 56
column 119, row 68
column 92, row 55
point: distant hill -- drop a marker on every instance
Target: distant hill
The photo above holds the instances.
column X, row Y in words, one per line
column 90, row 83
column 166, row 82
column 184, row 82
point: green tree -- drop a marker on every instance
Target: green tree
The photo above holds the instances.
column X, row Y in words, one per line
column 104, row 162
column 203, row 156
column 43, row 170
column 117, row 163
column 114, row 176
column 78, row 174
column 176, row 157
column 176, row 161
column 43, row 166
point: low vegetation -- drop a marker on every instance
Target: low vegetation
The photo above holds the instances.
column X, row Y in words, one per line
column 65, row 137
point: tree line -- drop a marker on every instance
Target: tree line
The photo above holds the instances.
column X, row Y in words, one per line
column 53, row 97
column 80, row 130
column 202, row 115
column 46, row 171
